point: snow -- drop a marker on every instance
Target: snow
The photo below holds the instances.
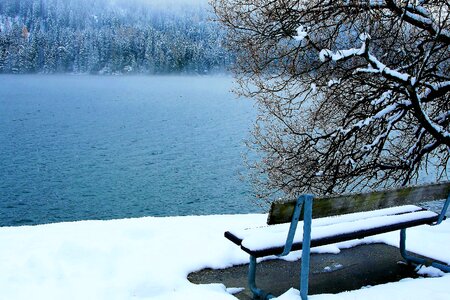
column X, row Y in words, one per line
column 261, row 238
column 150, row 258
column 291, row 294
column 420, row 9
column 407, row 289
column 376, row 66
column 234, row 290
column 376, row 2
column 385, row 96
column 332, row 82
column 364, row 36
column 418, row 18
column 438, row 128
column 147, row 258
column 301, row 33
column 430, row 271
column 385, row 70
column 325, row 54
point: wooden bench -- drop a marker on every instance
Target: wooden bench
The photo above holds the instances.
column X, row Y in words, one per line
column 336, row 219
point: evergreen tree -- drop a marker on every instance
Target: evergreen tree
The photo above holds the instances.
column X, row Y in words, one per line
column 95, row 36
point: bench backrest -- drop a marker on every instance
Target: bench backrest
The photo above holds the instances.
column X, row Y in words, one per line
column 281, row 210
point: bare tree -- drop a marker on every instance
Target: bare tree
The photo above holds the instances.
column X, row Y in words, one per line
column 351, row 94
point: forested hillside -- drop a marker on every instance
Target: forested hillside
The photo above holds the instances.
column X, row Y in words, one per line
column 109, row 37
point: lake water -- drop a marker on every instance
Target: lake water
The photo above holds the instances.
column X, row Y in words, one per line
column 84, row 147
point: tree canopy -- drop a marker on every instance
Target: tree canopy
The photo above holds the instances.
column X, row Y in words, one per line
column 351, row 94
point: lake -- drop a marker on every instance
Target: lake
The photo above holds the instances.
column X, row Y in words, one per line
column 93, row 147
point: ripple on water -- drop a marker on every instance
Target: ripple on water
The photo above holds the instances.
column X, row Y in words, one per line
column 132, row 150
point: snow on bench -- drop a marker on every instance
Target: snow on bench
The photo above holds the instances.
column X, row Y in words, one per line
column 270, row 240
column 336, row 219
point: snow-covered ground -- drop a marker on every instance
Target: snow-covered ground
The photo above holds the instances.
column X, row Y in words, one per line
column 150, row 258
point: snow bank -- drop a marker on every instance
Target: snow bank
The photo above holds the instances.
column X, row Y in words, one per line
column 406, row 289
column 146, row 258
column 150, row 258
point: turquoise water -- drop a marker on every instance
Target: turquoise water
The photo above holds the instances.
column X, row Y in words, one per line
column 84, row 147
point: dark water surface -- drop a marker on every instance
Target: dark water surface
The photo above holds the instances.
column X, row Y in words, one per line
column 82, row 147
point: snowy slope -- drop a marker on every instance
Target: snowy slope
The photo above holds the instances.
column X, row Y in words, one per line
column 150, row 258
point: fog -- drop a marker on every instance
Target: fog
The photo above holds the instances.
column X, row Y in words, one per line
column 162, row 3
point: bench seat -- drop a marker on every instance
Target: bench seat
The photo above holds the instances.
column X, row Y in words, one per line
column 270, row 240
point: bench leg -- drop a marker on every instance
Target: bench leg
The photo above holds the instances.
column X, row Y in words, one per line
column 417, row 260
column 257, row 292
column 306, row 249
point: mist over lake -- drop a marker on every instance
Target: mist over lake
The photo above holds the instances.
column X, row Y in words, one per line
column 86, row 147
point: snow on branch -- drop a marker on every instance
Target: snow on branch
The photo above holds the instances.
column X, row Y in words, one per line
column 415, row 146
column 443, row 117
column 439, row 129
column 382, row 114
column 392, row 120
column 326, row 54
column 419, row 18
column 440, row 85
column 377, row 108
column 415, row 14
column 375, row 65
column 301, row 33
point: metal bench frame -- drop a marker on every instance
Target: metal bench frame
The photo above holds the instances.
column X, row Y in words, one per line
column 305, row 202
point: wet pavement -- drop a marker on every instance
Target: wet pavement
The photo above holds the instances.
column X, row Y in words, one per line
column 351, row 269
